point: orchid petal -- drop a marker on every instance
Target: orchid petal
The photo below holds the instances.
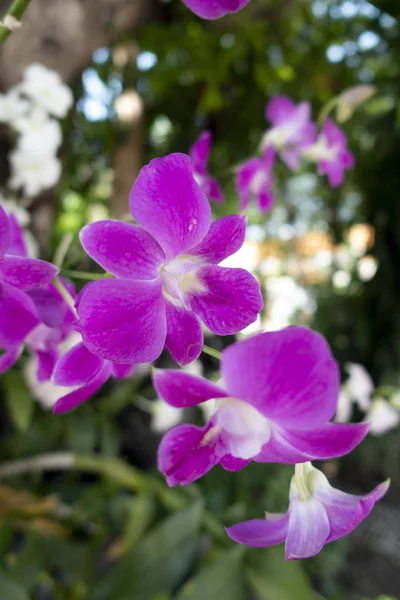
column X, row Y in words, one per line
column 225, row 237
column 290, row 376
column 227, row 300
column 7, row 359
column 260, row 533
column 5, row 233
column 51, row 306
column 279, row 109
column 18, row 316
column 18, row 245
column 73, row 399
column 46, row 362
column 77, row 366
column 199, row 152
column 167, row 202
column 122, row 249
column 181, row 390
column 214, row 9
column 26, row 273
column 187, row 452
column 232, row 463
column 308, row 528
column 321, row 443
column 123, row 320
column 184, row 334
column 122, row 371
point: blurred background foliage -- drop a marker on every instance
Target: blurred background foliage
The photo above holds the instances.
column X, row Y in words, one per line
column 84, row 515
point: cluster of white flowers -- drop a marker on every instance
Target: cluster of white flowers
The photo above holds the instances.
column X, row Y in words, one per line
column 382, row 412
column 32, row 109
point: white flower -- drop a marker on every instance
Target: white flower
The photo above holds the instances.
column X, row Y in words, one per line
column 34, row 172
column 382, row 417
column 10, row 23
column 47, row 89
column 164, row 416
column 38, row 131
column 358, row 389
column 12, row 106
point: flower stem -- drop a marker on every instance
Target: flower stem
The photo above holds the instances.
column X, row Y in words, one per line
column 16, row 10
column 66, row 295
column 212, row 352
column 84, row 276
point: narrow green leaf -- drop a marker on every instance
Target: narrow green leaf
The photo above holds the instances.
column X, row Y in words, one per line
column 157, row 564
column 19, row 400
column 222, row 580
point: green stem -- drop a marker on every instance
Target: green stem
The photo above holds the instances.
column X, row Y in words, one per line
column 84, row 276
column 65, row 294
column 212, row 352
column 16, row 10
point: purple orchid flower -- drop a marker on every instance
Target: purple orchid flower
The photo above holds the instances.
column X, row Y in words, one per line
column 167, row 273
column 21, row 272
column 292, row 129
column 214, row 9
column 199, row 154
column 80, row 369
column 254, row 178
column 280, row 390
column 18, row 313
column 331, row 153
column 318, row 514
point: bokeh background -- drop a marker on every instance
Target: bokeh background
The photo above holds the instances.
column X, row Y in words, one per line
column 85, row 515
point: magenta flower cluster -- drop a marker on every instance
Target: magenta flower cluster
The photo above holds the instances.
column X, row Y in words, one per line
column 164, row 282
column 294, row 138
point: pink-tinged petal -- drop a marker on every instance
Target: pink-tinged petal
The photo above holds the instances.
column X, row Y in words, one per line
column 187, row 452
column 308, row 529
column 321, row 443
column 123, row 320
column 290, row 376
column 214, row 9
column 18, row 316
column 181, row 390
column 260, row 533
column 279, row 110
column 346, row 511
column 18, row 245
column 167, row 202
column 9, row 358
column 227, row 300
column 291, row 158
column 184, row 334
column 199, row 152
column 122, row 371
column 124, row 250
column 231, row 463
column 46, row 361
column 5, row 232
column 50, row 305
column 265, row 200
column 225, row 237
column 214, row 191
column 77, row 366
column 26, row 273
column 244, row 176
column 73, row 399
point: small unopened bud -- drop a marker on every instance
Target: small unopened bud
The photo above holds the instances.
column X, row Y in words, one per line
column 11, row 23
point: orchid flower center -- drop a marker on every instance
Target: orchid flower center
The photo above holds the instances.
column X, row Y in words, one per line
column 243, row 428
column 179, row 277
column 321, row 151
column 302, row 484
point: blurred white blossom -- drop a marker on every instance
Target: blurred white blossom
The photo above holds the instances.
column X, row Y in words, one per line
column 351, row 98
column 357, row 389
column 382, row 417
column 12, row 106
column 33, row 172
column 38, row 131
column 47, row 89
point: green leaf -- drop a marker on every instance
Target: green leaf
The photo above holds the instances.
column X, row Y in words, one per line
column 157, row 564
column 10, row 589
column 274, row 578
column 222, row 580
column 140, row 516
column 19, row 400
